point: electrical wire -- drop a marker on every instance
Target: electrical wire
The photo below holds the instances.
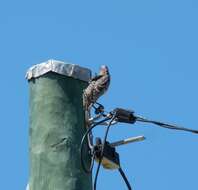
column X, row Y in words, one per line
column 82, row 143
column 113, row 116
column 165, row 125
column 102, row 151
column 125, row 178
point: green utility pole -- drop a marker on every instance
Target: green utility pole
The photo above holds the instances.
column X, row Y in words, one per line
column 57, row 125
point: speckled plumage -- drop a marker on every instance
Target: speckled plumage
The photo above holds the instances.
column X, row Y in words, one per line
column 97, row 87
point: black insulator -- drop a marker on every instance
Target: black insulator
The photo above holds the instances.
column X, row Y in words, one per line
column 125, row 116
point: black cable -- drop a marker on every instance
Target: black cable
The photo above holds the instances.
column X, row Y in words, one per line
column 82, row 143
column 165, row 125
column 102, row 151
column 125, row 178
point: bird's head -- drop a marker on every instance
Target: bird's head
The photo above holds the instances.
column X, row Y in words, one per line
column 104, row 70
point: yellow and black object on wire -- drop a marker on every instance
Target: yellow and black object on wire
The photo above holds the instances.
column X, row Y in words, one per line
column 104, row 152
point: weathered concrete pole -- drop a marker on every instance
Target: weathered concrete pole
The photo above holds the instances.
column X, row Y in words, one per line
column 56, row 126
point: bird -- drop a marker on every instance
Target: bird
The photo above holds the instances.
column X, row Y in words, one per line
column 98, row 85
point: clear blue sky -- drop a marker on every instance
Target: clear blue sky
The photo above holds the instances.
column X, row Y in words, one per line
column 151, row 48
